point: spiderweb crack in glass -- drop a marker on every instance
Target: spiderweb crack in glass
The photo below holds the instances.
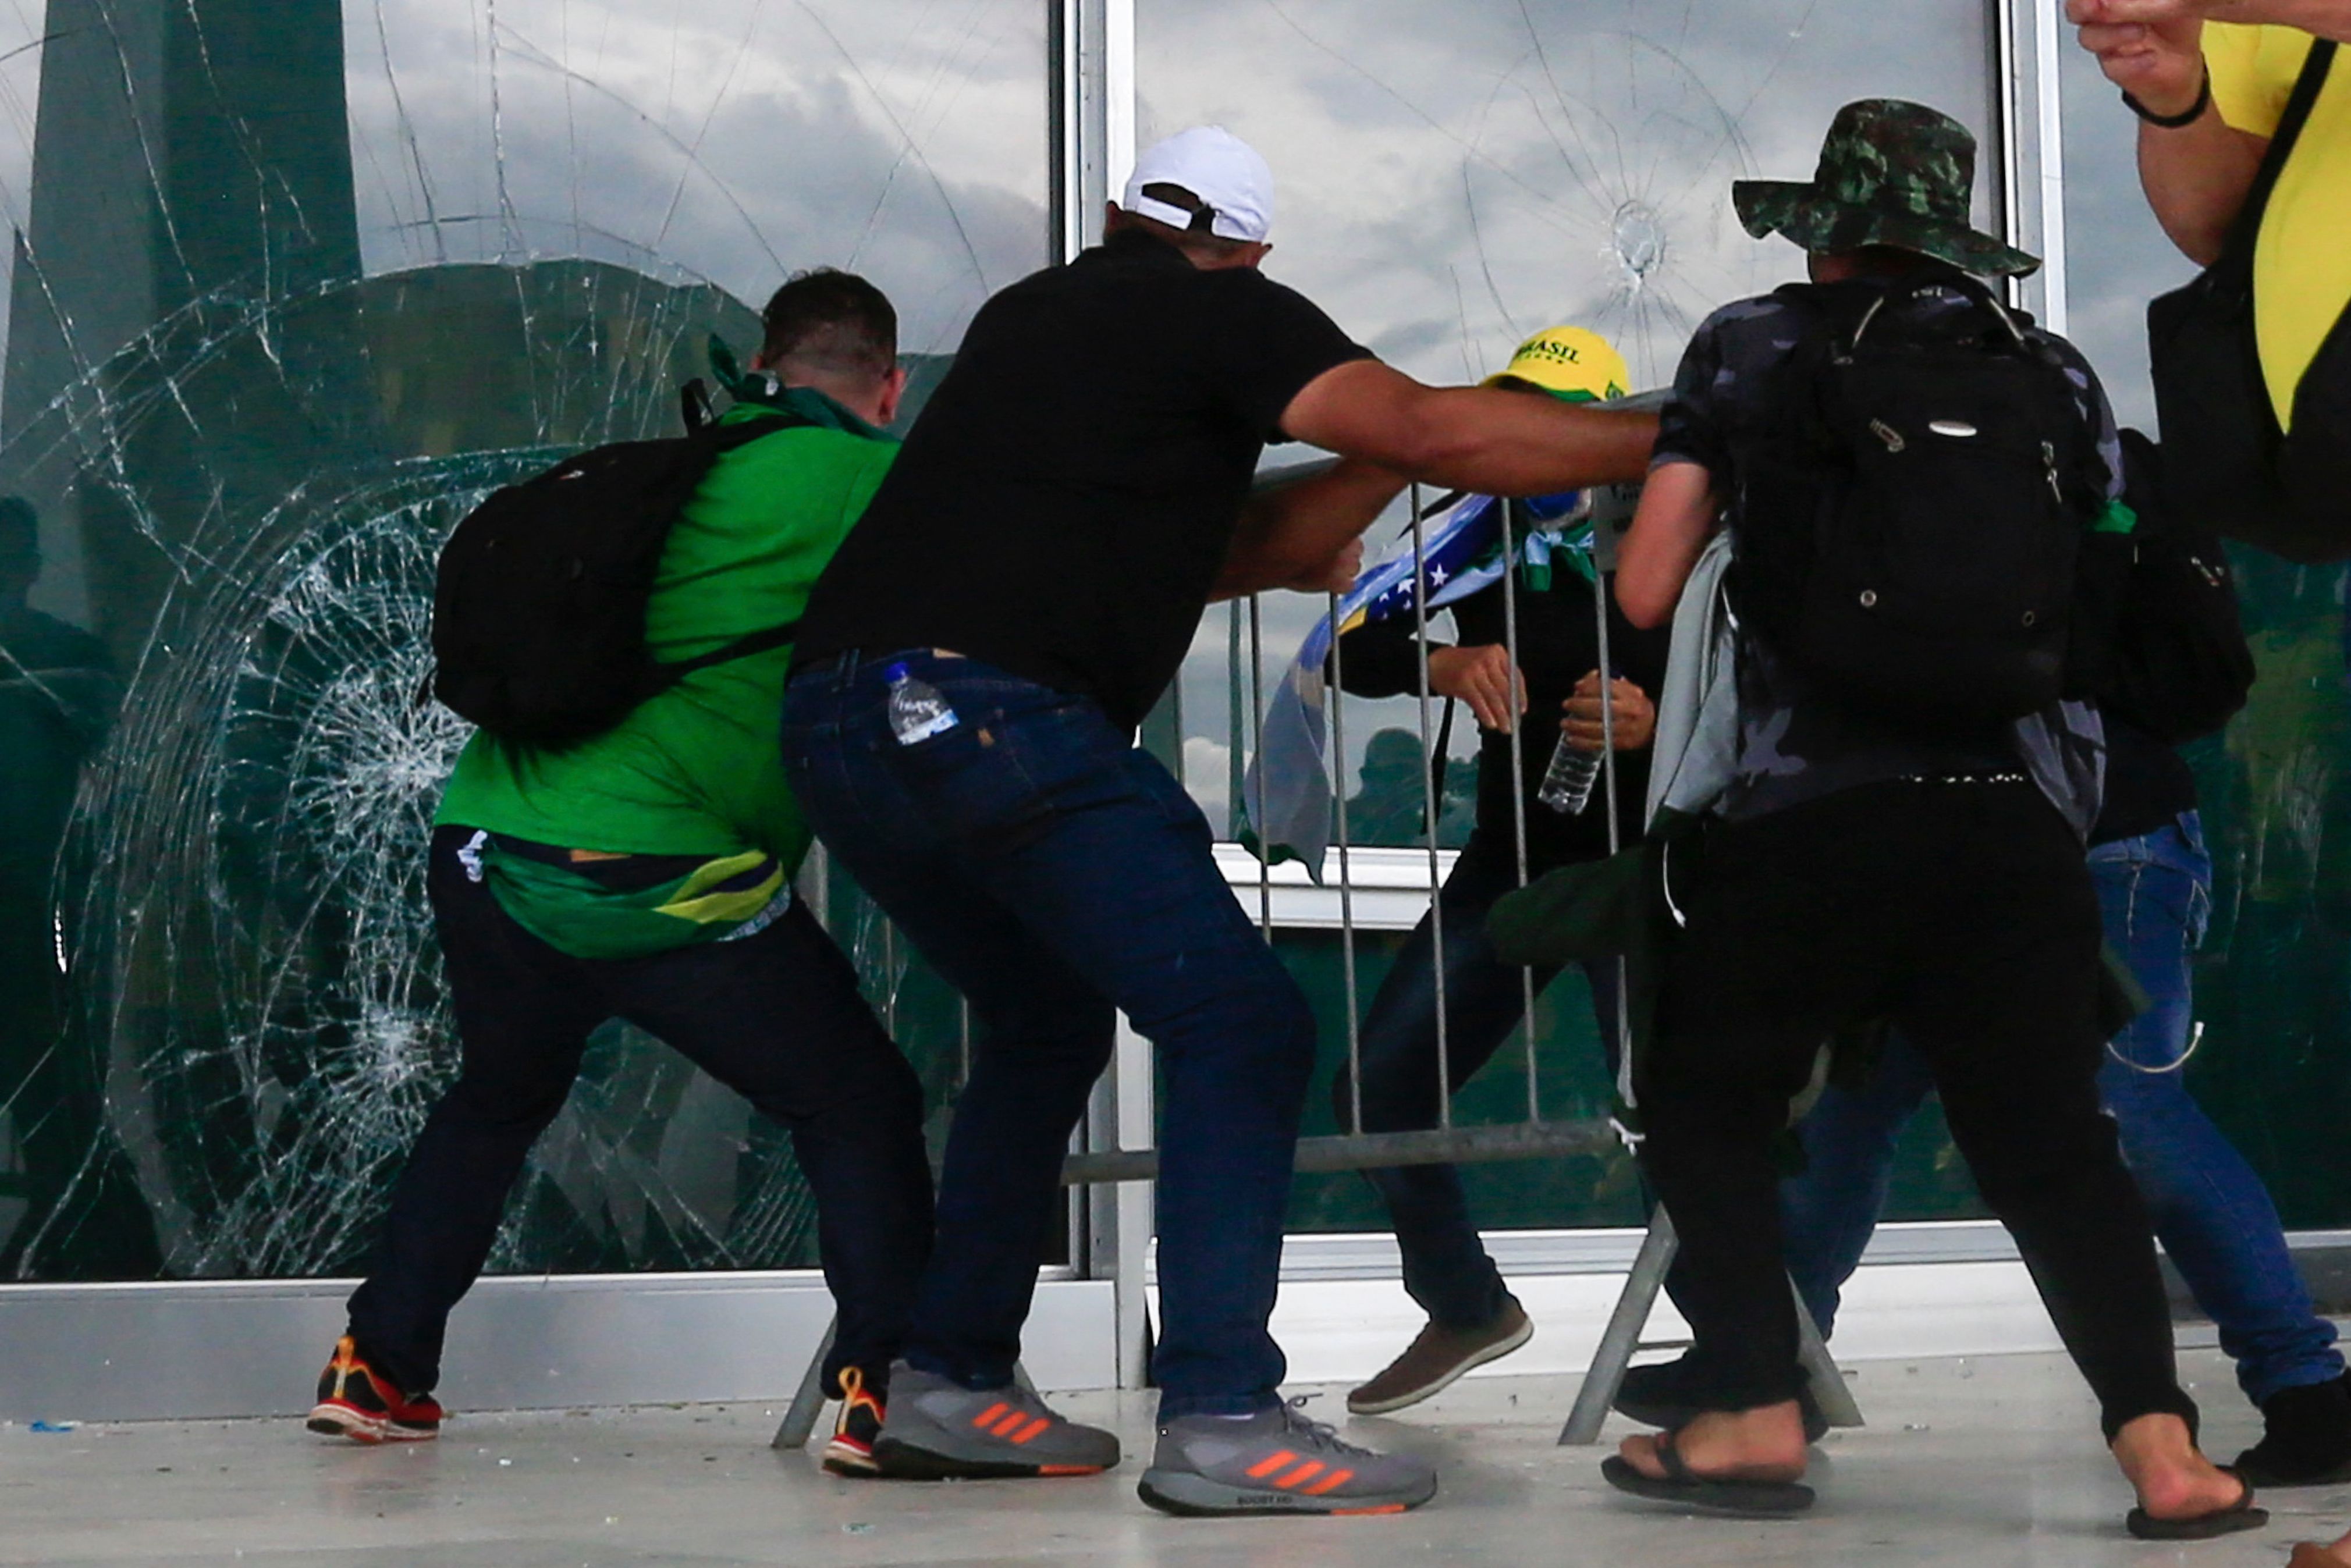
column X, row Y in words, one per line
column 292, row 292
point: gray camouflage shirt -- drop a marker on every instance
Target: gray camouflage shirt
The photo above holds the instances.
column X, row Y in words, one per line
column 1796, row 742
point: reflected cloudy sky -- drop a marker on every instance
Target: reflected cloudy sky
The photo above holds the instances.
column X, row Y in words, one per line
column 2118, row 257
column 731, row 140
column 1452, row 178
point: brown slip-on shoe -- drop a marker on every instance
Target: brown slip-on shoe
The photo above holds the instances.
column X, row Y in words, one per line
column 1436, row 1356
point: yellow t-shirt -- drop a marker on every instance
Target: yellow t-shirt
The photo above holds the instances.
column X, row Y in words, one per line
column 2301, row 267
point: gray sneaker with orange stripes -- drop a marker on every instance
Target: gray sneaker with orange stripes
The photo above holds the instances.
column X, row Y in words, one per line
column 1276, row 1462
column 937, row 1429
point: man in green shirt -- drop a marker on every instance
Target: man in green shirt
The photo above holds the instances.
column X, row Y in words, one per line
column 646, row 873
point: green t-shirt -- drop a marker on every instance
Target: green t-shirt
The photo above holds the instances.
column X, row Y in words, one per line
column 697, row 770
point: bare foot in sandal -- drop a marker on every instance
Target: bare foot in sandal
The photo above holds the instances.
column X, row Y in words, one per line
column 2181, row 1493
column 1742, row 1463
column 1763, row 1444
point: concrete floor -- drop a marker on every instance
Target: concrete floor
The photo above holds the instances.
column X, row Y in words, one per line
column 1984, row 1462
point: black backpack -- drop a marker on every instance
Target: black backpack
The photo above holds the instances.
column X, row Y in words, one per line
column 1914, row 524
column 539, row 609
column 2180, row 667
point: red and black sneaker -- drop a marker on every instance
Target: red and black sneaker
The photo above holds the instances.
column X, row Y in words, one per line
column 851, row 1452
column 358, row 1402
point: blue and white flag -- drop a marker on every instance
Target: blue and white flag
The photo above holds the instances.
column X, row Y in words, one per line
column 1286, row 801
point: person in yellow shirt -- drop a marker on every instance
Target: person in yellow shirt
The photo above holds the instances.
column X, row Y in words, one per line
column 2209, row 80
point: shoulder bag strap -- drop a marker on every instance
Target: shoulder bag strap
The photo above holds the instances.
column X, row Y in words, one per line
column 2247, row 228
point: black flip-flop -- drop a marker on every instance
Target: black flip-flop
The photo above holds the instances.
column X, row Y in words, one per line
column 1707, row 1494
column 2238, row 1516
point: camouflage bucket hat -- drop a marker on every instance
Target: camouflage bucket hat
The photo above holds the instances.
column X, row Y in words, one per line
column 1891, row 174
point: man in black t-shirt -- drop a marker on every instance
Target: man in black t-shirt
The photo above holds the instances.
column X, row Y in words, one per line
column 960, row 731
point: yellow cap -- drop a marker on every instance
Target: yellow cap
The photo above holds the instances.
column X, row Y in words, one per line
column 1570, row 362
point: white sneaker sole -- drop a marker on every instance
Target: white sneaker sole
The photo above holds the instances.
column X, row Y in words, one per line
column 1494, row 1351
column 1187, row 1494
column 341, row 1421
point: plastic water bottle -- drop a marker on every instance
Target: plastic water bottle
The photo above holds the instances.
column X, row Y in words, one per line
column 1567, row 782
column 917, row 711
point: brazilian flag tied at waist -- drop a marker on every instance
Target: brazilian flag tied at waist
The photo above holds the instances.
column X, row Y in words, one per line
column 628, row 906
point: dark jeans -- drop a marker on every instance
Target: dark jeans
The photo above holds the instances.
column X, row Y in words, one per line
column 776, row 1016
column 2210, row 1209
column 1055, row 875
column 1446, row 1267
column 1962, row 914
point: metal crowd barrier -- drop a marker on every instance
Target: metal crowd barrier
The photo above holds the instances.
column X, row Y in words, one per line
column 1354, row 1149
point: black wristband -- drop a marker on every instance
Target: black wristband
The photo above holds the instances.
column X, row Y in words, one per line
column 2176, row 121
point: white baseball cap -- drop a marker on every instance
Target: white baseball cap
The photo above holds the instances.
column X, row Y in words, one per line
column 1215, row 166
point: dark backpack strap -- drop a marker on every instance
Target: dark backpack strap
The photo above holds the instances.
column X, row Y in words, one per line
column 719, row 439
column 741, row 648
column 2246, row 230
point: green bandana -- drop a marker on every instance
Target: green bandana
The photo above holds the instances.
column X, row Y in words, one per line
column 757, row 390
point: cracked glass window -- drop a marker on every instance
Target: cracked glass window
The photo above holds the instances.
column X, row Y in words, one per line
column 1451, row 179
column 2276, row 787
column 293, row 284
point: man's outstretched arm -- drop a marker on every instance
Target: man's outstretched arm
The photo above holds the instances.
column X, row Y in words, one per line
column 1306, row 534
column 1483, row 439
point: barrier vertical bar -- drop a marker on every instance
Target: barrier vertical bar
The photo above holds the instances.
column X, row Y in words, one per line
column 1131, row 1204
column 1514, row 522
column 1346, row 877
column 808, row 1401
column 1603, row 562
column 1621, row 1337
column 1433, row 804
column 1256, row 754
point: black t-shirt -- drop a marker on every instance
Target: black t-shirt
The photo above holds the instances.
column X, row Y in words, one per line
column 1559, row 644
column 2148, row 785
column 1062, row 507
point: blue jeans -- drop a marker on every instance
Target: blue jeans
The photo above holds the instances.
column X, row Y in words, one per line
column 1055, row 876
column 2210, row 1209
column 1446, row 1267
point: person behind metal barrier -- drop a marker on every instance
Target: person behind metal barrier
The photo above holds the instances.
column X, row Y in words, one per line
column 1901, row 843
column 646, row 873
column 1552, row 579
column 961, row 727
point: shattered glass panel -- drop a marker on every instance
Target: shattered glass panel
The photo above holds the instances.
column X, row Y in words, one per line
column 1451, row 179
column 293, row 284
column 2276, row 786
